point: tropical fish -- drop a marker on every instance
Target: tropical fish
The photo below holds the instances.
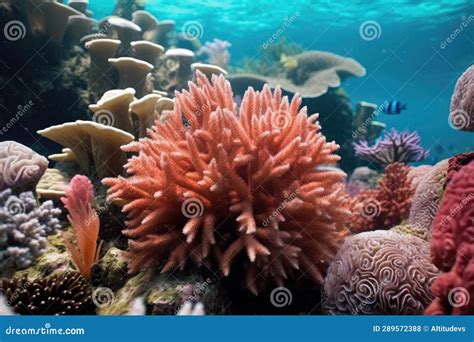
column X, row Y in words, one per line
column 394, row 107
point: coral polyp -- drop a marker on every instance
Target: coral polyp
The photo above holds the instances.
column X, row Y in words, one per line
column 228, row 187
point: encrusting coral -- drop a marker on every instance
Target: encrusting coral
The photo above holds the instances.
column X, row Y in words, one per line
column 395, row 147
column 385, row 206
column 225, row 184
column 24, row 228
column 62, row 294
column 452, row 247
column 19, row 165
column 380, row 273
column 85, row 222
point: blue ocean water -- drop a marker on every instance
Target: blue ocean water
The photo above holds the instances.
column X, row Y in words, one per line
column 419, row 49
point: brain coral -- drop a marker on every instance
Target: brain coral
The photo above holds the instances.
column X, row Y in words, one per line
column 453, row 226
column 19, row 165
column 417, row 173
column 427, row 196
column 380, row 273
column 385, row 206
column 461, row 113
column 228, row 187
column 24, row 228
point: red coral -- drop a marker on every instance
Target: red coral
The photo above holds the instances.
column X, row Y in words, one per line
column 452, row 247
column 387, row 205
column 85, row 222
column 228, row 184
column 456, row 163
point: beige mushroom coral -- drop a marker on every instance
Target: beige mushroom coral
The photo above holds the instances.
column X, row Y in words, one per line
column 132, row 73
column 57, row 16
column 51, row 186
column 66, row 155
column 79, row 5
column 147, row 51
column 123, row 29
column 78, row 26
column 185, row 58
column 164, row 27
column 163, row 108
column 96, row 146
column 101, row 73
column 148, row 23
column 112, row 109
column 208, row 69
column 365, row 127
column 145, row 110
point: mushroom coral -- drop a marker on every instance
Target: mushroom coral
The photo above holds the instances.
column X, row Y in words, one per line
column 223, row 184
column 85, row 222
column 452, row 247
column 380, row 273
column 385, row 206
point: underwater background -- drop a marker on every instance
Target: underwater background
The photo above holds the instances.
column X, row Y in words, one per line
column 407, row 59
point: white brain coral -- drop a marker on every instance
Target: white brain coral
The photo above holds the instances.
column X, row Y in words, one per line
column 380, row 273
column 19, row 165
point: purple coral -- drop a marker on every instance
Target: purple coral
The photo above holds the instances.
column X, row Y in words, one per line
column 462, row 102
column 24, row 228
column 404, row 147
column 217, row 52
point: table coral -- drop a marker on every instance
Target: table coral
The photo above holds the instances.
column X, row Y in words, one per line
column 228, row 187
column 380, row 273
column 404, row 147
column 385, row 206
column 24, row 228
column 19, row 165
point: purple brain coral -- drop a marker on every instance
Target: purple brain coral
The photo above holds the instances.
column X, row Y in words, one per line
column 380, row 272
column 427, row 197
column 19, row 165
column 461, row 113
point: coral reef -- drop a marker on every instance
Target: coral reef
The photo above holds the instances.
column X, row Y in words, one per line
column 193, row 188
column 64, row 294
column 461, row 112
column 385, row 206
column 364, row 126
column 427, row 197
column 365, row 175
column 24, row 228
column 216, row 52
column 395, row 147
column 407, row 229
column 380, row 273
column 85, row 222
column 457, row 162
column 20, row 166
column 52, row 185
column 417, row 173
column 452, row 247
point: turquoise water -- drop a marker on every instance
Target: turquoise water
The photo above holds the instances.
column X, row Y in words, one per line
column 410, row 60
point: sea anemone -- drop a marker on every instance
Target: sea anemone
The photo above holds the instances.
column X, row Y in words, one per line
column 85, row 222
column 380, row 273
column 385, row 206
column 228, row 187
column 395, row 147
column 63, row 294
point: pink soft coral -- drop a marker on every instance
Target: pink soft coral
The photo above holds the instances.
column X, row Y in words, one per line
column 85, row 222
column 229, row 187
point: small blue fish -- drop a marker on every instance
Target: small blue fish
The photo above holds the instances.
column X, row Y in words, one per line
column 393, row 107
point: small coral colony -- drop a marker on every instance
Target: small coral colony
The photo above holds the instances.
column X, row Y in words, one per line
column 189, row 187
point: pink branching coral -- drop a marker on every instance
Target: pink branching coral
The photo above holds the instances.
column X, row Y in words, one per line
column 452, row 247
column 385, row 206
column 228, row 187
column 85, row 222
